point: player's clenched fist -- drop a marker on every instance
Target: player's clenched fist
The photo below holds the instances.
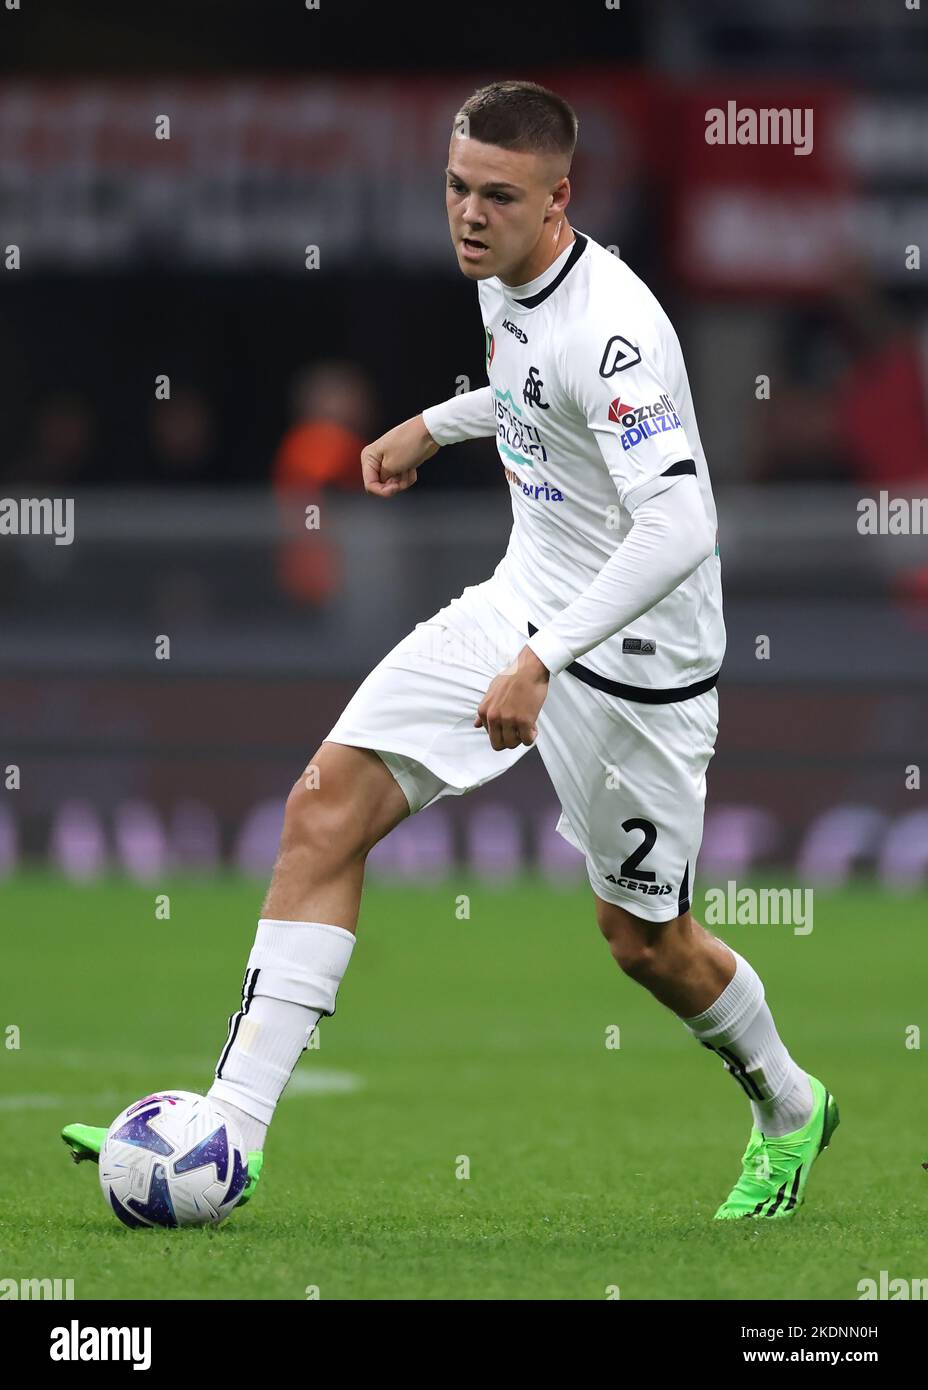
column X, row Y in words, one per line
column 509, row 710
column 389, row 465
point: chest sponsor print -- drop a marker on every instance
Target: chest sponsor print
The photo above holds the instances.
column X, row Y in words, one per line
column 516, row 437
column 539, row 492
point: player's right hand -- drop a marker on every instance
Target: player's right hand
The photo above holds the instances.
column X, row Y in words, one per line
column 389, row 465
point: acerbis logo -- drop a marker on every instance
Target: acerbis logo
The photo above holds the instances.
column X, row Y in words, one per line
column 644, row 421
column 654, row 890
column 618, row 355
column 516, row 332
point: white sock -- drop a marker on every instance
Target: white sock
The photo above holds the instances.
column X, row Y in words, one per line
column 291, row 981
column 739, row 1027
column 270, row 1038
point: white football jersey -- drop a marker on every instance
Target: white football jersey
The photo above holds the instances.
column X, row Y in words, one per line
column 593, row 415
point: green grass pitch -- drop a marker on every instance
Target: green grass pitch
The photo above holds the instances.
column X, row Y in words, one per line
column 590, row 1168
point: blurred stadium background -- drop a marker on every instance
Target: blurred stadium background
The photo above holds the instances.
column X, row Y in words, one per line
column 188, row 257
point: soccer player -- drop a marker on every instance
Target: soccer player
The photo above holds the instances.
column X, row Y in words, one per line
column 598, row 640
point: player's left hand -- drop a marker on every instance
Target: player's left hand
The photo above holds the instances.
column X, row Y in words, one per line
column 509, row 709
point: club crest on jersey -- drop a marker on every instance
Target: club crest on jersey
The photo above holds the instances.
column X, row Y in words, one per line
column 531, row 391
column 618, row 355
column 644, row 421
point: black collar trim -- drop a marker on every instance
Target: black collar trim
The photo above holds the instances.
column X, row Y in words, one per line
column 534, row 300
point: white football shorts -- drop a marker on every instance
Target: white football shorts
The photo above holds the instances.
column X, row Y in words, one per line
column 630, row 776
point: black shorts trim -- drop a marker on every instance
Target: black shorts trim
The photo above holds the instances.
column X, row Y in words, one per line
column 683, row 897
column 641, row 694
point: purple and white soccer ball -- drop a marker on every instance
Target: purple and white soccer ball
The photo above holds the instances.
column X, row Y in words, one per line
column 172, row 1160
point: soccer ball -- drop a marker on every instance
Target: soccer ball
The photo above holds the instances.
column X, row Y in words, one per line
column 172, row 1160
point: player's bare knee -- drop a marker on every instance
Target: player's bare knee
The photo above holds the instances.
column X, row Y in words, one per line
column 627, row 940
column 642, row 949
column 322, row 827
column 637, row 957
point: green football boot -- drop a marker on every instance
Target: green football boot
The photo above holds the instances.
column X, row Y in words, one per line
column 774, row 1172
column 86, row 1141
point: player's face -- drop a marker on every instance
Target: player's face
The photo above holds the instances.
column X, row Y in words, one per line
column 503, row 209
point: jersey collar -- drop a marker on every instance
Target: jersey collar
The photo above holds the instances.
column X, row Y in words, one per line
column 536, row 291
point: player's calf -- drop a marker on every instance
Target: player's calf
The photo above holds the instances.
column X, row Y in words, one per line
column 720, row 999
column 678, row 961
column 305, row 936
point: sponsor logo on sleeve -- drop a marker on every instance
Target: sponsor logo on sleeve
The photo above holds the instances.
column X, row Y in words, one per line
column 642, row 422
